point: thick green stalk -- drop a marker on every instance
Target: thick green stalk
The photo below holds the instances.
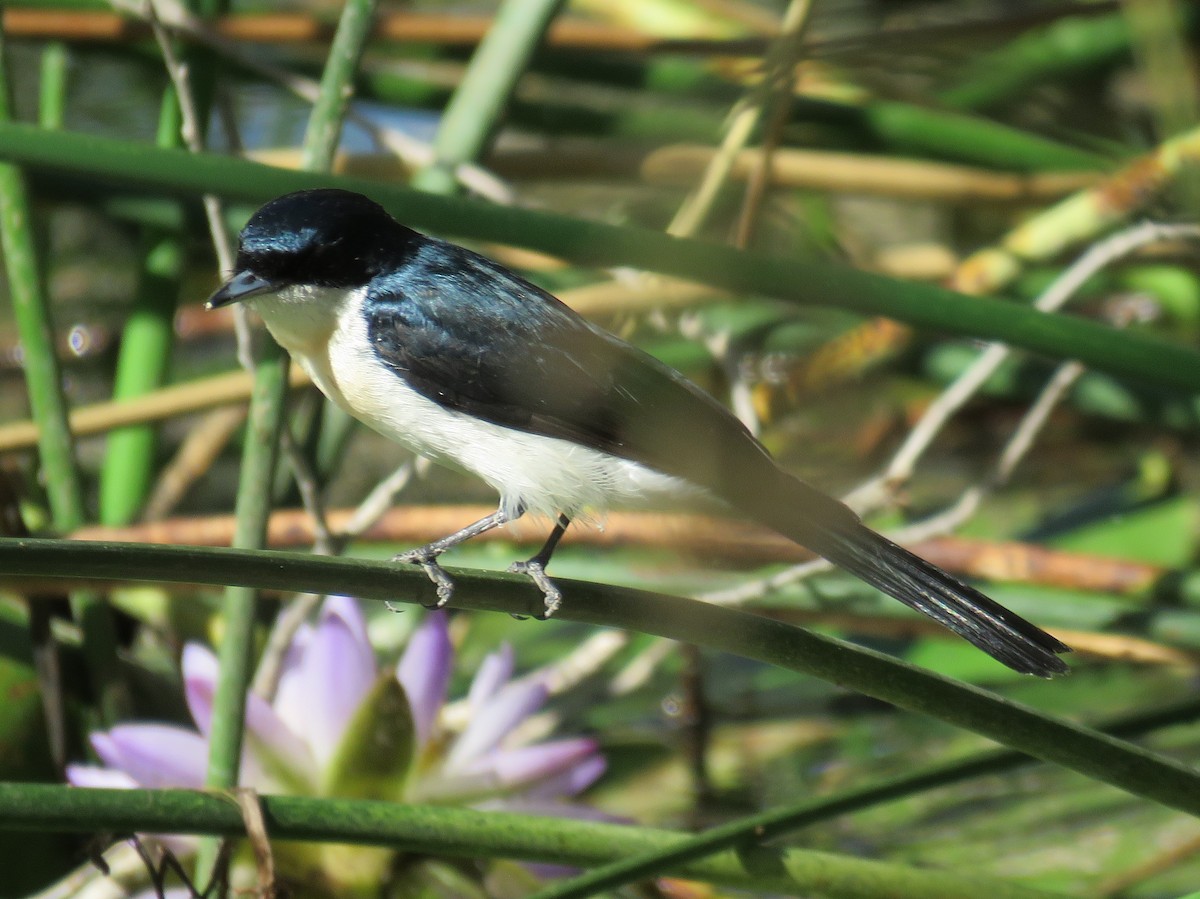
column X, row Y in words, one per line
column 1059, row 50
column 146, row 342
column 145, row 352
column 238, row 611
column 469, row 834
column 337, row 86
column 471, row 116
column 1124, row 354
column 52, row 85
column 908, row 128
column 42, row 374
column 1082, row 749
column 43, row 379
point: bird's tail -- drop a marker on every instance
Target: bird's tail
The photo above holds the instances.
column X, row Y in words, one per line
column 830, row 529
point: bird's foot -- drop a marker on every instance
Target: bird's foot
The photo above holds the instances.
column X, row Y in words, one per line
column 535, row 570
column 428, row 560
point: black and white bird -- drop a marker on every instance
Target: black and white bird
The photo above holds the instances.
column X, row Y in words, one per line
column 465, row 362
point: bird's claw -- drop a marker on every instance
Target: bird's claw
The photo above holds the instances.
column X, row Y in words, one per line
column 536, row 572
column 441, row 581
column 444, row 584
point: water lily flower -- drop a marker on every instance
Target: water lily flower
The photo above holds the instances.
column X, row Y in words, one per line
column 333, row 711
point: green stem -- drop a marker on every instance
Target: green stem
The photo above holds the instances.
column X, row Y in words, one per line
column 1011, row 724
column 470, row 834
column 239, row 606
column 145, row 353
column 146, row 342
column 1072, row 45
column 907, row 128
column 42, row 374
column 52, row 85
column 486, row 87
column 337, row 85
column 238, row 610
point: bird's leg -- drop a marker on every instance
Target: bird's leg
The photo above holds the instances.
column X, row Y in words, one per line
column 535, row 568
column 427, row 555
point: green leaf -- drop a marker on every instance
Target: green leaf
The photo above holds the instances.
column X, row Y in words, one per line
column 1163, row 534
column 376, row 752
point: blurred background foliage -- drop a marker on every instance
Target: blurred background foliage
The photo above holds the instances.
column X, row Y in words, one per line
column 976, row 144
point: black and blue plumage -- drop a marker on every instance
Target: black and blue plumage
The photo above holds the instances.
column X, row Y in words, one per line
column 466, row 362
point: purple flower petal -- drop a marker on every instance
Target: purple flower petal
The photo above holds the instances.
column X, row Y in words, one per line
column 290, row 700
column 494, row 672
column 199, row 683
column 495, row 720
column 154, row 755
column 541, row 761
column 282, row 756
column 571, row 782
column 338, row 670
column 424, row 673
column 95, row 776
column 276, row 756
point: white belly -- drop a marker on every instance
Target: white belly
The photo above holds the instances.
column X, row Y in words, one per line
column 543, row 475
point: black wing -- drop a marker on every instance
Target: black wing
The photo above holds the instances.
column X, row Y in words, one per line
column 474, row 337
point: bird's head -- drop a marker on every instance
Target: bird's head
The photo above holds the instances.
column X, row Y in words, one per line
column 323, row 238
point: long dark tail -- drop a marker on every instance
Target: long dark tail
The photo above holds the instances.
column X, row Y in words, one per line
column 830, row 529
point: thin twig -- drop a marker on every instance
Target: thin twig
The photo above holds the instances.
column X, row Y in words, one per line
column 378, row 501
column 1014, row 451
column 694, row 210
column 744, row 119
column 194, row 457
column 780, row 82
column 324, row 542
column 878, row 491
column 638, row 671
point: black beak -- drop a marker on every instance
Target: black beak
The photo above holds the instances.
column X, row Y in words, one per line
column 241, row 286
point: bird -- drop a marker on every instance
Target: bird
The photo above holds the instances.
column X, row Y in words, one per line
column 467, row 363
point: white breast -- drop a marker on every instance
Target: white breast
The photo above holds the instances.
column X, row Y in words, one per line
column 544, row 475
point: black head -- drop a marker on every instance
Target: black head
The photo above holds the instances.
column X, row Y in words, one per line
column 324, row 238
